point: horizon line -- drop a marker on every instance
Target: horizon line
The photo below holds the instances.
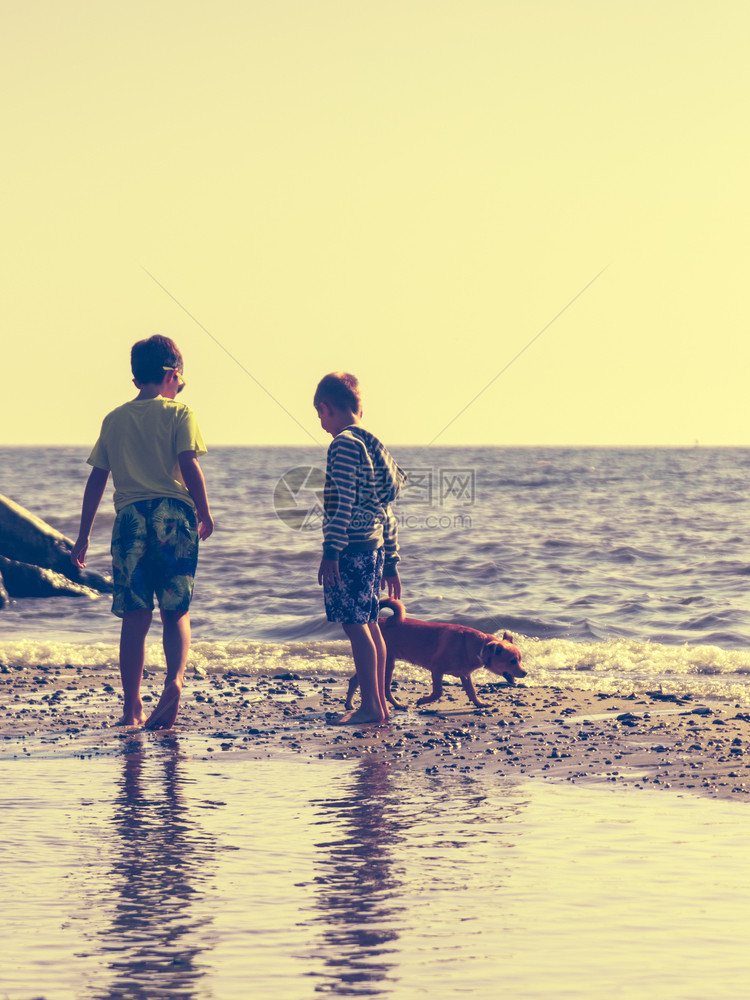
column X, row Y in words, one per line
column 402, row 444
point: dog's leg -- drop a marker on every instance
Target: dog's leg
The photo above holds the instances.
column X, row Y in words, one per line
column 389, row 664
column 353, row 685
column 471, row 692
column 437, row 690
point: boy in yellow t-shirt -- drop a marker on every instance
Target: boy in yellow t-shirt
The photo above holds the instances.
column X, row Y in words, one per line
column 151, row 445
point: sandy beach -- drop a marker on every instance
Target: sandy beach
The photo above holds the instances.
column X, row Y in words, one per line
column 649, row 741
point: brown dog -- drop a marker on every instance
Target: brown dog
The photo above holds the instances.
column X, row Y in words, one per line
column 442, row 649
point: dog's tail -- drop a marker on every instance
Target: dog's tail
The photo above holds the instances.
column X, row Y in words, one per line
column 396, row 607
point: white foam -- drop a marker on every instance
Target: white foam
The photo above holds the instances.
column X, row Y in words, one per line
column 247, row 657
column 242, row 656
column 622, row 665
column 31, row 653
column 705, row 671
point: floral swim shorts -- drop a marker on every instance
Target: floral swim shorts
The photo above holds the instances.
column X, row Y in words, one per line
column 154, row 552
column 354, row 601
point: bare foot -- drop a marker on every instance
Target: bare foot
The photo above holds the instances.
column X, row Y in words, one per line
column 165, row 713
column 360, row 717
column 132, row 719
column 134, row 716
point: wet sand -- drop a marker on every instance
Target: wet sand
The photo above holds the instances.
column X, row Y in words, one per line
column 644, row 740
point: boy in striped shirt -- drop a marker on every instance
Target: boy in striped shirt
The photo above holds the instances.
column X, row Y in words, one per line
column 360, row 536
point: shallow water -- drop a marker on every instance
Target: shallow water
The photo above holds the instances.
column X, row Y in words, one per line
column 156, row 873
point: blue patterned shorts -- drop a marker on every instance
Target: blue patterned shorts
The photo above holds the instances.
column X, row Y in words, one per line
column 154, row 551
column 355, row 600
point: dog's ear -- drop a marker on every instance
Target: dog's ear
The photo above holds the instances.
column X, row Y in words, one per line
column 508, row 637
column 490, row 649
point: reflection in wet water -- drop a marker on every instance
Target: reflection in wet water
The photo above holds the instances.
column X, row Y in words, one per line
column 154, row 874
column 357, row 890
column 391, row 838
column 161, row 861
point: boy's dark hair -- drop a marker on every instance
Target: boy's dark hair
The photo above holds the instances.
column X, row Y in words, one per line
column 339, row 389
column 149, row 358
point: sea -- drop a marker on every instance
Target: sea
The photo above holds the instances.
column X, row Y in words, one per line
column 614, row 569
column 152, row 870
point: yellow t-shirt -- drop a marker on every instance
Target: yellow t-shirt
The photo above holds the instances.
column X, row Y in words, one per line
column 139, row 443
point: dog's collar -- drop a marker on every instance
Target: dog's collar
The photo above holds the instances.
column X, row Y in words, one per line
column 486, row 655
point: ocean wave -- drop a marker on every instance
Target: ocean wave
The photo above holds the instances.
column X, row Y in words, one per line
column 617, row 665
column 630, row 554
column 636, row 666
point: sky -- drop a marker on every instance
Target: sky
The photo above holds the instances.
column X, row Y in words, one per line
column 518, row 223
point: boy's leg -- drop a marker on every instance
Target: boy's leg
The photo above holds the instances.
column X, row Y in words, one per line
column 174, row 555
column 353, row 602
column 382, row 653
column 366, row 662
column 135, row 625
column 176, row 640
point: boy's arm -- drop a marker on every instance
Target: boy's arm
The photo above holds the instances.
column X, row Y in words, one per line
column 341, row 492
column 341, row 468
column 390, row 577
column 196, row 486
column 92, row 497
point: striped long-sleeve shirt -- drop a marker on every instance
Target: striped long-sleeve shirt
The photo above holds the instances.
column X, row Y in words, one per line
column 362, row 480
